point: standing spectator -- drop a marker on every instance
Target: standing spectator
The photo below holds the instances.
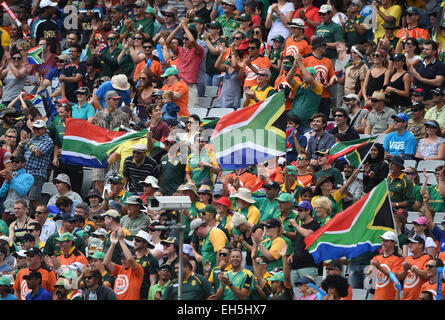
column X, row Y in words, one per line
column 228, row 19
column 421, row 229
column 343, row 125
column 310, row 15
column 142, row 246
column 129, row 275
column 38, row 151
column 63, row 186
column 399, row 83
column 48, row 60
column 399, row 186
column 380, row 118
column 260, row 33
column 157, row 290
column 329, row 30
column 120, row 85
column 261, row 91
column 388, row 261
column 44, row 27
column 150, row 62
column 376, row 168
column 135, row 220
column 376, row 77
column 388, row 41
column 356, row 26
column 416, row 125
column 430, row 73
column 400, row 142
column 355, row 72
column 13, row 75
column 180, row 89
column 201, row 163
column 297, row 41
column 252, row 64
column 278, row 16
column 414, row 273
column 296, row 141
column 324, row 68
column 139, row 22
column 189, row 59
column 412, row 26
column 137, row 167
column 321, row 138
column 357, row 114
column 387, row 11
column 72, row 75
column 83, row 109
column 412, row 52
column 48, row 225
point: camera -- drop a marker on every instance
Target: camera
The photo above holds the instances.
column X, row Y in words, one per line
column 169, row 203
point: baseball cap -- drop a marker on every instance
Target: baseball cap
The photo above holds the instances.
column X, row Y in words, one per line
column 245, row 17
column 417, row 106
column 325, row 8
column 100, row 232
column 351, row 96
column 166, row 266
column 170, row 240
column 389, row 235
column 69, row 216
column 304, row 280
column 224, row 201
column 229, row 2
column 111, row 94
column 34, row 251
column 67, row 236
column 413, row 10
column 399, row 57
column 285, row 197
column 305, row 205
column 278, row 38
column 279, row 276
column 39, row 124
column 98, row 255
column 47, row 3
column 209, row 209
column 438, row 91
column 379, row 95
column 62, row 101
column 195, row 224
column 433, row 123
column 397, row 160
column 273, row 223
column 402, row 116
column 170, row 71
column 5, row 281
column 112, row 213
column 150, row 10
column 420, row 221
column 418, row 92
column 297, row 23
column 322, row 152
column 291, row 170
column 150, row 181
column 33, row 275
column 417, row 239
column 272, row 185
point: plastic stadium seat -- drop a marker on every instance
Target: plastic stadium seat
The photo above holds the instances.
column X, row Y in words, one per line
column 360, row 294
column 211, row 91
column 412, row 215
column 219, row 112
column 410, row 163
column 87, row 182
column 429, row 165
column 49, row 188
column 380, row 138
column 205, row 102
column 201, row 112
column 431, row 178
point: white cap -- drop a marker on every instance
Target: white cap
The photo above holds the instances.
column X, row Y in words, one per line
column 100, row 232
column 47, row 3
column 150, row 180
column 351, row 96
column 389, row 235
column 325, row 8
column 195, row 224
column 144, row 235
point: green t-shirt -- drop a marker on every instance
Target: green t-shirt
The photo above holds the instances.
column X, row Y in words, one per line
column 150, row 265
column 436, row 201
column 331, row 32
column 241, row 279
column 306, row 100
column 52, row 245
column 352, row 37
column 155, row 288
column 228, row 25
column 145, row 26
column 331, row 172
column 195, row 287
column 268, row 209
column 215, row 237
column 173, row 173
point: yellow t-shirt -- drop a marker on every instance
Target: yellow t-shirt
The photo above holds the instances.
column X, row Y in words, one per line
column 395, row 11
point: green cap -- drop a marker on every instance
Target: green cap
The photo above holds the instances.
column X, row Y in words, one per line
column 209, row 209
column 150, row 10
column 5, row 281
column 82, row 233
column 414, row 10
column 65, row 237
column 198, row 20
column 278, row 38
column 98, row 255
column 245, row 17
column 287, row 197
column 215, row 25
column 291, row 170
column 279, row 276
column 169, row 240
column 169, row 72
column 312, row 71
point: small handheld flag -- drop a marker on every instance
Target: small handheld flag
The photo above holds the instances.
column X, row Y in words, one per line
column 35, row 55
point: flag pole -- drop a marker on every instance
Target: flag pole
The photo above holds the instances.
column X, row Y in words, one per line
column 392, row 214
column 367, row 153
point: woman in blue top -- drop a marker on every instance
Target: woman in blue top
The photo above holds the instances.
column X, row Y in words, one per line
column 83, row 109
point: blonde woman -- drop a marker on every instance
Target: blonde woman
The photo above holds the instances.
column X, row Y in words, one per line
column 323, row 209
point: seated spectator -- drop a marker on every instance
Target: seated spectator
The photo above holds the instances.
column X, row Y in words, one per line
column 437, row 112
column 63, row 186
column 416, row 125
column 433, row 146
column 376, row 168
column 321, row 139
column 357, row 114
column 343, row 125
column 400, row 142
column 380, row 119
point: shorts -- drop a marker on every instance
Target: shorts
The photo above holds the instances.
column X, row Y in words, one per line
column 99, row 174
column 35, row 193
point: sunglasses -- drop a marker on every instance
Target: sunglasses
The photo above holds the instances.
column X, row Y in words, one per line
column 375, row 100
column 39, row 212
column 301, row 158
column 109, row 38
column 376, row 55
column 138, row 38
column 148, row 47
column 31, row 230
column 321, row 14
column 398, row 120
column 252, row 48
column 16, row 58
column 338, row 116
column 262, row 75
column 237, row 38
column 81, row 93
column 256, row 32
column 89, row 277
column 223, row 254
column 329, row 268
column 137, row 240
column 168, row 15
column 430, row 266
column 60, row 61
column 11, row 137
column 410, row 173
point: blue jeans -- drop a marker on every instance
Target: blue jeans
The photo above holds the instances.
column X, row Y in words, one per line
column 213, row 80
column 356, row 276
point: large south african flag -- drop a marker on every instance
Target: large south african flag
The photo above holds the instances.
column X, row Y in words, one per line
column 251, row 135
column 355, row 230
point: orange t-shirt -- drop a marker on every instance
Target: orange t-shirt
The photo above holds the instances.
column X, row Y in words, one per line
column 282, row 79
column 155, row 67
column 127, row 285
column 432, row 287
column 21, row 286
column 349, row 296
column 291, row 47
column 324, row 68
column 442, row 256
column 181, row 87
column 251, row 77
column 384, row 288
column 413, row 283
column 416, row 33
column 66, row 261
column 247, row 179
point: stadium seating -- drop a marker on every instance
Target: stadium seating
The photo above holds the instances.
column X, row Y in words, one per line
column 201, row 112
column 205, row 102
column 211, row 91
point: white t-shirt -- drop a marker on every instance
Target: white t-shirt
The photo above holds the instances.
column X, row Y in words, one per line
column 278, row 28
column 429, row 242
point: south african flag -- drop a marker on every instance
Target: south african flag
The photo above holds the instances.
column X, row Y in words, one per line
column 352, row 152
column 35, row 55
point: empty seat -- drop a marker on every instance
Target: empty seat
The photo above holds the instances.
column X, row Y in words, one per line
column 410, row 163
column 360, row 294
column 362, row 135
column 412, row 215
column 211, row 91
column 201, row 112
column 380, row 138
column 205, row 102
column 219, row 112
column 429, row 165
column 438, row 217
column 49, row 188
column 431, row 178
column 87, row 182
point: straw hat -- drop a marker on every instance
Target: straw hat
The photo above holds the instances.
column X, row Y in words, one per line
column 120, row 82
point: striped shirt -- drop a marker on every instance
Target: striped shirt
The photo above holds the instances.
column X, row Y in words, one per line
column 135, row 173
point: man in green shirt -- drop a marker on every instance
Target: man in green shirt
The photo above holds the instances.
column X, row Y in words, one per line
column 194, row 286
column 138, row 23
column 228, row 20
column 268, row 205
column 235, row 283
column 329, row 30
column 172, row 168
column 356, row 28
column 157, row 290
column 142, row 245
column 399, row 186
column 328, row 169
column 135, row 220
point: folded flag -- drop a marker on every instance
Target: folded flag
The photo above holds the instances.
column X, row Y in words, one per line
column 88, row 145
column 352, row 152
column 354, row 231
column 35, row 55
column 251, row 135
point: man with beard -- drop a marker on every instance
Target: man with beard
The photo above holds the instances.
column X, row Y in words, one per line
column 357, row 114
column 66, row 287
column 7, row 121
